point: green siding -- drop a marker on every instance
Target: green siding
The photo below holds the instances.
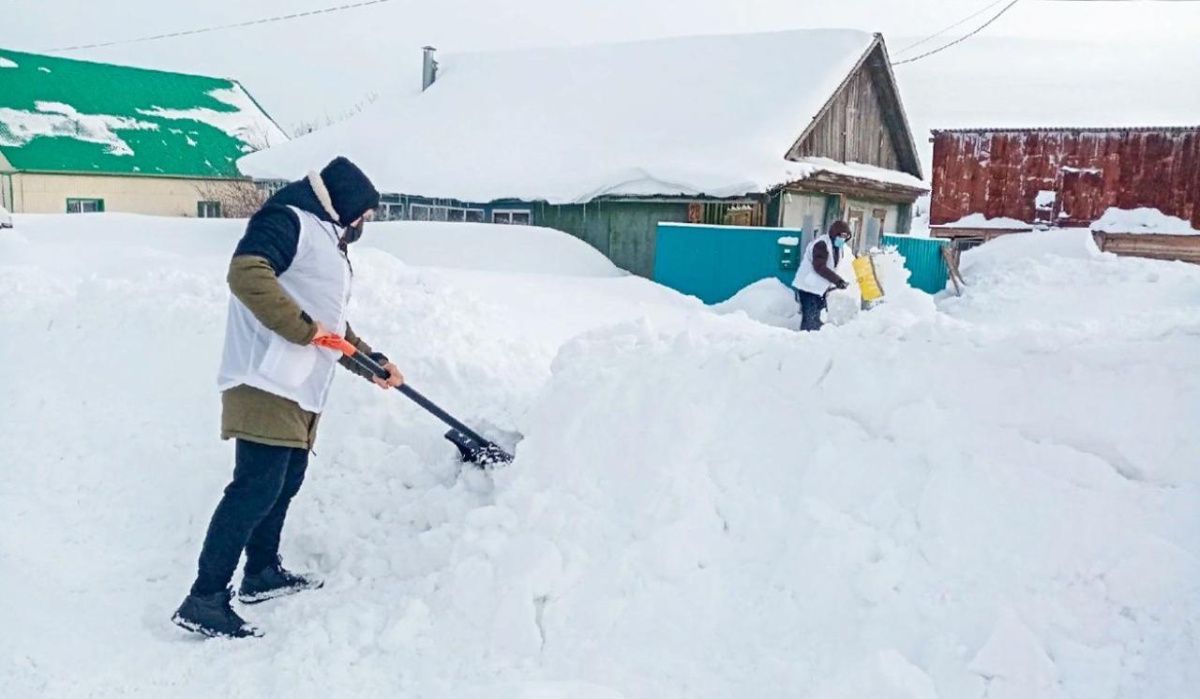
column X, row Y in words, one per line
column 624, row 231
column 175, row 147
column 923, row 258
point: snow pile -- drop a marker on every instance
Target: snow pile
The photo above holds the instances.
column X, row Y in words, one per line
column 771, row 302
column 485, row 130
column 1142, row 220
column 997, row 499
column 982, row 221
column 1076, row 292
column 57, row 120
column 768, row 301
column 489, row 247
column 902, row 304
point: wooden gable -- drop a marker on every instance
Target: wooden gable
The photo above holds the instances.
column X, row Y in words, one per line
column 864, row 121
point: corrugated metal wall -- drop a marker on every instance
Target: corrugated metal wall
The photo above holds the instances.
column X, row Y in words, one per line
column 1000, row 173
column 715, row 262
column 922, row 257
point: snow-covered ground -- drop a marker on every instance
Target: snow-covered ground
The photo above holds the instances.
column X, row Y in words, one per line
column 997, row 496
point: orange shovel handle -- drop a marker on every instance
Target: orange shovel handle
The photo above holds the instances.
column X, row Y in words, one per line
column 336, row 342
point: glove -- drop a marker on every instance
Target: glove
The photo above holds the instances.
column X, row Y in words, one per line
column 843, row 285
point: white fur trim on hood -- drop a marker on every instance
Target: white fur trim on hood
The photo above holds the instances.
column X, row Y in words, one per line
column 322, row 192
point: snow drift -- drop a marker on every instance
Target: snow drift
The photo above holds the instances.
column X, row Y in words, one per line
column 992, row 498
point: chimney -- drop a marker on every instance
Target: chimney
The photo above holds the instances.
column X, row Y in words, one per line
column 428, row 68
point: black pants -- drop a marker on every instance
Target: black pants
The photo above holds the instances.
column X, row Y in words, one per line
column 810, row 310
column 251, row 513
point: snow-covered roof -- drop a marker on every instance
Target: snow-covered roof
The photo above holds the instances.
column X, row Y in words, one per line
column 63, row 115
column 712, row 115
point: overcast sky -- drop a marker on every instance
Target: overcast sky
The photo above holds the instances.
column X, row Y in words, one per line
column 305, row 68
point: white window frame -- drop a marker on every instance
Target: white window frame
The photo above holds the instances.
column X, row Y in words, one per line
column 508, row 213
column 444, row 212
column 202, row 209
column 96, row 202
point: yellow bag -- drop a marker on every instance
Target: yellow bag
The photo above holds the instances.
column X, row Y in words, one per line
column 868, row 283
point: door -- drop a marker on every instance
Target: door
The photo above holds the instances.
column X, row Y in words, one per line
column 856, row 218
column 1080, row 196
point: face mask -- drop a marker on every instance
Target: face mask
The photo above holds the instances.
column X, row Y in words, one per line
column 839, row 242
column 352, row 233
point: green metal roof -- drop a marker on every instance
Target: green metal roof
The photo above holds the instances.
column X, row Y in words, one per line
column 63, row 115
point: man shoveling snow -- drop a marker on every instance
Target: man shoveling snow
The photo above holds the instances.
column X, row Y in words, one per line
column 815, row 278
column 290, row 279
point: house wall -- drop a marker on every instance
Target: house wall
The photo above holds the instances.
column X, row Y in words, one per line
column 159, row 196
column 624, row 231
column 813, row 208
column 855, row 126
column 999, row 173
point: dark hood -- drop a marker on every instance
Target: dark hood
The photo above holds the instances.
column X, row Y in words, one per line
column 300, row 195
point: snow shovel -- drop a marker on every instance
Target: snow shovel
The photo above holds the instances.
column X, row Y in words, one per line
column 473, row 447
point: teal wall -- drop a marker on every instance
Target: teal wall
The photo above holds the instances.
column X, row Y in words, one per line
column 715, row 262
column 922, row 257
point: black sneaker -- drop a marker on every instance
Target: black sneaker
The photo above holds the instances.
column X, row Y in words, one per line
column 212, row 616
column 274, row 581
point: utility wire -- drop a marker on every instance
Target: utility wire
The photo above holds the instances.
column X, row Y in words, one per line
column 961, row 39
column 956, row 25
column 205, row 30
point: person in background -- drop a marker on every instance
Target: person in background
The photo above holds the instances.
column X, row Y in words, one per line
column 290, row 280
column 815, row 277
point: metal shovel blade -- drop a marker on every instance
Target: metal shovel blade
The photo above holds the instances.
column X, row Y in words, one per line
column 483, row 453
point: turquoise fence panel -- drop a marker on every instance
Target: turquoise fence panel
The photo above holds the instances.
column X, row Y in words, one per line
column 922, row 257
column 715, row 262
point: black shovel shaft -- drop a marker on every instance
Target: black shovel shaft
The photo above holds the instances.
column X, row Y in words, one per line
column 415, row 396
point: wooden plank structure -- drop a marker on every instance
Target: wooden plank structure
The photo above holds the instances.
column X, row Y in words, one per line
column 1158, row 247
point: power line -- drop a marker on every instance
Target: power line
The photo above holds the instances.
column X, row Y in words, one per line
column 205, row 30
column 961, row 39
column 956, row 25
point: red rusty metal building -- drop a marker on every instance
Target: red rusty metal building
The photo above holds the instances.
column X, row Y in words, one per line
column 1064, row 176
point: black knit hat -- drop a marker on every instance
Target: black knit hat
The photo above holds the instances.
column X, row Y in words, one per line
column 352, row 193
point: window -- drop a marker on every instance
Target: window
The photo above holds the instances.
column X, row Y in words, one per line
column 84, row 206
column 517, row 216
column 208, row 209
column 269, row 187
column 427, row 212
column 389, row 211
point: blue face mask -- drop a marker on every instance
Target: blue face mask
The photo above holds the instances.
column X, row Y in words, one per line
column 839, row 242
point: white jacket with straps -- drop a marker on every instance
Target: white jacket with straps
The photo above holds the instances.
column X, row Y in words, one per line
column 807, row 278
column 318, row 280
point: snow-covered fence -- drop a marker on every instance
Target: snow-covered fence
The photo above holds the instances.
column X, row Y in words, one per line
column 715, row 262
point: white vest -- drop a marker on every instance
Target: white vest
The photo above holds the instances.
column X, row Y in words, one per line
column 318, row 280
column 807, row 278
